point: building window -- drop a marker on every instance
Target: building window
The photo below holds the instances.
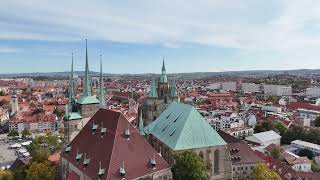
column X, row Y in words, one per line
column 216, row 161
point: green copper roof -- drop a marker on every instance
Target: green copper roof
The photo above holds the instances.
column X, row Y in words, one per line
column 141, row 128
column 86, row 79
column 101, row 87
column 88, row 100
column 173, row 90
column 182, row 127
column 69, row 115
column 74, row 115
column 163, row 76
column 153, row 89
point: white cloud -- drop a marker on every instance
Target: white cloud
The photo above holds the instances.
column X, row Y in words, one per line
column 278, row 26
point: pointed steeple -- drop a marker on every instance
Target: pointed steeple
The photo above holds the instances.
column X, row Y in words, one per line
column 141, row 128
column 163, row 76
column 86, row 80
column 71, row 93
column 101, row 90
column 153, row 89
column 173, row 91
column 163, row 67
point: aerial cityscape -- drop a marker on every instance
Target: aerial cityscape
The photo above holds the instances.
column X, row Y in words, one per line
column 155, row 90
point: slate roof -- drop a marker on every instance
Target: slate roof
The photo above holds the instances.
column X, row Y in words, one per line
column 182, row 127
column 244, row 152
column 113, row 149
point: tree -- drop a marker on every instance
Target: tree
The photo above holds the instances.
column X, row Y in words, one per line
column 317, row 122
column 42, row 146
column 189, row 166
column 280, row 127
column 258, row 129
column 2, row 93
column 275, row 152
column 41, row 170
column 13, row 133
column 262, row 172
column 5, row 175
column 3, row 102
column 306, row 152
column 26, row 133
column 38, row 111
column 58, row 112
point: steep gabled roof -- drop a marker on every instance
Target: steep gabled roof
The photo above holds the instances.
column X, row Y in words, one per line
column 113, row 149
column 182, row 127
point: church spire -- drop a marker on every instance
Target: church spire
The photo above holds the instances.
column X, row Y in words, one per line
column 153, row 89
column 101, row 90
column 163, row 76
column 86, row 80
column 71, row 93
column 173, row 91
column 140, row 126
column 163, row 67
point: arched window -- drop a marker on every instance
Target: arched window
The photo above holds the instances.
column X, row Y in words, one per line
column 216, row 161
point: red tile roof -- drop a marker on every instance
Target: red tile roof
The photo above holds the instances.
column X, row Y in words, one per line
column 303, row 105
column 113, row 148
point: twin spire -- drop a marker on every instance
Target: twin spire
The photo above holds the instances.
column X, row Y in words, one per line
column 101, row 87
column 87, row 97
column 86, row 80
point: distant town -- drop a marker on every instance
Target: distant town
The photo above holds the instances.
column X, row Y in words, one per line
column 91, row 125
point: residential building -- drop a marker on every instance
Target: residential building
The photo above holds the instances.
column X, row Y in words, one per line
column 277, row 90
column 299, row 163
column 243, row 160
column 229, row 86
column 250, row 87
column 239, row 132
column 313, row 92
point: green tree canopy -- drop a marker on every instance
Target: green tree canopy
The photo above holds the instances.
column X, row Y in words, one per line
column 13, row 133
column 306, row 152
column 317, row 122
column 41, row 170
column 38, row 110
column 26, row 133
column 58, row 112
column 262, row 172
column 2, row 93
column 42, row 146
column 5, row 175
column 275, row 152
column 189, row 166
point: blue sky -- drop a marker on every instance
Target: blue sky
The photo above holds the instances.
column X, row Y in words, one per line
column 133, row 36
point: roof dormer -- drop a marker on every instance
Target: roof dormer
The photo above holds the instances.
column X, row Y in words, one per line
column 122, row 171
column 79, row 155
column 153, row 162
column 86, row 160
column 94, row 127
column 101, row 171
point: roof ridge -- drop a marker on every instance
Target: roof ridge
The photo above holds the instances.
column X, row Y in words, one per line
column 184, row 124
column 113, row 144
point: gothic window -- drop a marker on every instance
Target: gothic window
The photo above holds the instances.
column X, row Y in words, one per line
column 216, row 161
